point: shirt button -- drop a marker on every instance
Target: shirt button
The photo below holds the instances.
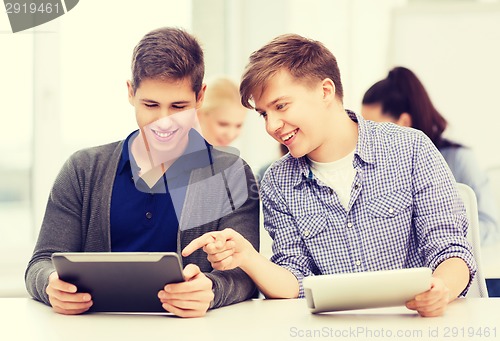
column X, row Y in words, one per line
column 358, row 263
column 391, row 211
column 356, row 186
column 149, row 215
column 349, row 224
column 306, row 233
column 330, row 190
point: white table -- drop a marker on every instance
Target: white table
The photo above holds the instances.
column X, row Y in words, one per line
column 25, row 319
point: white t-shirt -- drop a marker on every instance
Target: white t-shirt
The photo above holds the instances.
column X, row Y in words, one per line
column 337, row 175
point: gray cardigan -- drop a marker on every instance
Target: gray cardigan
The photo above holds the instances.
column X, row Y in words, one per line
column 77, row 217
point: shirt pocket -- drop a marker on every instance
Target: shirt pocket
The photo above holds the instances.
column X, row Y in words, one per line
column 390, row 227
column 391, row 205
column 311, row 226
column 320, row 237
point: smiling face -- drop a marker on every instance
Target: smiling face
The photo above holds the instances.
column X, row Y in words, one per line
column 297, row 114
column 222, row 125
column 165, row 112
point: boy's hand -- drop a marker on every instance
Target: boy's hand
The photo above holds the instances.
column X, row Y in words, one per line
column 226, row 249
column 433, row 302
column 190, row 298
column 64, row 299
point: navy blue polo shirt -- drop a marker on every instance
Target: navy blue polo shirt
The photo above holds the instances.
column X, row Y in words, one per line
column 145, row 219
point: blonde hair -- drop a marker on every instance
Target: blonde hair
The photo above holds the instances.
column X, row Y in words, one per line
column 220, row 92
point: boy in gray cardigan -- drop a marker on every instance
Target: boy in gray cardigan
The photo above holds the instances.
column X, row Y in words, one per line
column 156, row 191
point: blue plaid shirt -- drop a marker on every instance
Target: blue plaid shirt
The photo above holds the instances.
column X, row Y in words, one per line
column 404, row 210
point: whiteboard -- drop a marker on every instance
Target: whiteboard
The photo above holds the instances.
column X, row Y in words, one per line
column 455, row 51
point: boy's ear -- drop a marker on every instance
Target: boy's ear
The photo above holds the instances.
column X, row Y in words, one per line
column 404, row 120
column 328, row 88
column 130, row 89
column 201, row 96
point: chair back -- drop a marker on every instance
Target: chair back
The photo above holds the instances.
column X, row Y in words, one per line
column 478, row 287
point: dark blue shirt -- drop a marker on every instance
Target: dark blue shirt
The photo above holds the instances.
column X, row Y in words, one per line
column 147, row 219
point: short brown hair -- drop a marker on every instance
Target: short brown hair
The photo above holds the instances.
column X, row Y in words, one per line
column 306, row 60
column 168, row 54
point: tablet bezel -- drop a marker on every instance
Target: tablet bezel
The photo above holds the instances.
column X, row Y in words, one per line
column 120, row 281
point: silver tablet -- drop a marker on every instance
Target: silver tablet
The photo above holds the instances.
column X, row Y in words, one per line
column 120, row 281
column 365, row 289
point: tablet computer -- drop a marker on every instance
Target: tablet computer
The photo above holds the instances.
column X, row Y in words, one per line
column 120, row 281
column 361, row 290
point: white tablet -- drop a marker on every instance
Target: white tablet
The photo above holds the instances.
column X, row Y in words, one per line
column 120, row 281
column 365, row 289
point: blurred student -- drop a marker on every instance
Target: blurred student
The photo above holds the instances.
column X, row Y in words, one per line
column 402, row 99
column 221, row 117
column 155, row 191
column 351, row 195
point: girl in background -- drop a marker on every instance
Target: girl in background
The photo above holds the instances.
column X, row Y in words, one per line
column 222, row 114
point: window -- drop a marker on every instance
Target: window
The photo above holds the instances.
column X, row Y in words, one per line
column 16, row 141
